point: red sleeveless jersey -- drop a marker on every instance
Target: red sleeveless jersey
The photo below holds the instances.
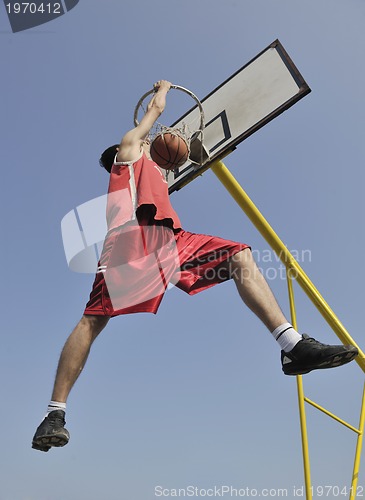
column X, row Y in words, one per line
column 136, row 183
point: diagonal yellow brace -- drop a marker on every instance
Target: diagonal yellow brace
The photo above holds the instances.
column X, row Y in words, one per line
column 258, row 220
column 332, row 415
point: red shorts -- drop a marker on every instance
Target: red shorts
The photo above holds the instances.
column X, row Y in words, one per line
column 139, row 260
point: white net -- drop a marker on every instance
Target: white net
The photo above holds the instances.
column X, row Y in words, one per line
column 191, row 132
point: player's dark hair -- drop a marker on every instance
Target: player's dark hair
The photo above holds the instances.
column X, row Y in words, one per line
column 107, row 158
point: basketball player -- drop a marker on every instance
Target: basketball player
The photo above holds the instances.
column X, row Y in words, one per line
column 144, row 250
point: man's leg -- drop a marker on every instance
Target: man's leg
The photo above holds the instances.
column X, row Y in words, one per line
column 75, row 353
column 51, row 431
column 254, row 290
column 300, row 354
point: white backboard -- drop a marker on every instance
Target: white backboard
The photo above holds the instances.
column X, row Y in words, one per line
column 258, row 92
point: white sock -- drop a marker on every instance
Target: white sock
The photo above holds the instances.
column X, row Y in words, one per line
column 286, row 336
column 55, row 405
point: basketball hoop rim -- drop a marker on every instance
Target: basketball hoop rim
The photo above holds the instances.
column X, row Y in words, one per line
column 176, row 87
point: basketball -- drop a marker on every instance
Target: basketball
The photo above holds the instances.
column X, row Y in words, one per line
column 169, row 151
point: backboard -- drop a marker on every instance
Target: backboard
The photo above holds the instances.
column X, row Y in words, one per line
column 258, row 92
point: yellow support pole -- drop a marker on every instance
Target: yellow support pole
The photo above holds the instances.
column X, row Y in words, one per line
column 304, row 434
column 243, row 200
column 355, row 474
column 295, row 271
column 302, row 416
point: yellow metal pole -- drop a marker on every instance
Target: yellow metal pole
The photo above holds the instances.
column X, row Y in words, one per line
column 303, row 420
column 252, row 212
column 355, row 474
column 304, row 434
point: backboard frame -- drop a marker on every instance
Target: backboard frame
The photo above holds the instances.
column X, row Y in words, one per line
column 188, row 172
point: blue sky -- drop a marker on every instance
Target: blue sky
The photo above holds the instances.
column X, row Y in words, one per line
column 194, row 395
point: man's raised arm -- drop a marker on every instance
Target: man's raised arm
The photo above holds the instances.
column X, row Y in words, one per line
column 130, row 146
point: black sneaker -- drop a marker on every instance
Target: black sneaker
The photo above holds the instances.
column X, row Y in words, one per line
column 51, row 432
column 309, row 354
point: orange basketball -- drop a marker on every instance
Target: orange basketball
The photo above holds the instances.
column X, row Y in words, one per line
column 169, row 151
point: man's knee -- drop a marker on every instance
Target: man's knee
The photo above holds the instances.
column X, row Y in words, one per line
column 242, row 265
column 95, row 323
column 241, row 259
